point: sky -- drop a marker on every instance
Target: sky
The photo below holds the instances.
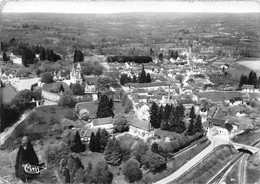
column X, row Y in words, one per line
column 131, row 6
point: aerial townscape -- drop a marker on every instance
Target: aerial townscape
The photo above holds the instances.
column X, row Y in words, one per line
column 122, row 98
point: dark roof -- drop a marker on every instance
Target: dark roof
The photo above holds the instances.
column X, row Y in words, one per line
column 218, row 122
column 135, row 122
column 231, row 100
column 146, row 85
column 102, row 121
column 141, row 104
column 247, row 86
column 185, row 101
column 142, row 96
column 238, row 99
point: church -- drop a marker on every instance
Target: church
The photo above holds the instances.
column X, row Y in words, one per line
column 76, row 74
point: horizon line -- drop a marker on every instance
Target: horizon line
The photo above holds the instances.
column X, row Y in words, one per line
column 116, row 7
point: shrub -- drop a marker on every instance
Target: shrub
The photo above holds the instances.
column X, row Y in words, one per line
column 47, row 77
column 132, row 171
column 53, row 153
column 153, row 162
column 67, row 101
column 139, row 149
column 101, row 174
column 71, row 114
column 120, row 123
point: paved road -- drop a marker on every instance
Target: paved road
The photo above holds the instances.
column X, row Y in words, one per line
column 193, row 162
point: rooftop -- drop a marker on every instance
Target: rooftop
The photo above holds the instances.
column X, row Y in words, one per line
column 135, row 122
column 218, row 122
column 102, row 121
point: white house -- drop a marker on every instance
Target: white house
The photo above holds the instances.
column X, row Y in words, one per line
column 139, row 128
column 248, row 88
column 102, row 123
column 217, row 126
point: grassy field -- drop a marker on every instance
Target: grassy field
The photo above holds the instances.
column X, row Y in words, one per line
column 38, row 126
column 253, row 64
column 232, row 177
column 219, row 96
column 92, row 108
column 253, row 169
column 209, row 166
column 247, row 137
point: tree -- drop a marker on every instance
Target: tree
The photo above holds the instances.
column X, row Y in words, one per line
column 32, row 157
column 243, row 80
column 154, row 118
column 77, row 146
column 116, row 154
column 139, row 150
column 134, row 80
column 155, row 148
column 160, row 56
column 113, row 153
column 198, row 125
column 109, row 149
column 190, row 131
column 78, row 56
column 22, row 99
column 148, row 78
column 5, row 57
column 101, row 174
column 142, row 76
column 97, row 141
column 19, row 172
column 252, row 78
column 104, row 138
column 47, row 77
column 128, row 105
column 9, row 115
column 67, row 101
column 77, row 89
column 154, row 162
column 132, row 171
column 167, row 112
column 120, row 123
column 92, row 142
column 192, row 113
column 105, row 108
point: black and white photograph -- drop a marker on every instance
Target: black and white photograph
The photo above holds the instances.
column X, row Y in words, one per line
column 129, row 92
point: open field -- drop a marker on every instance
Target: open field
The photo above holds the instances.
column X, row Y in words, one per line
column 38, row 126
column 92, row 108
column 253, row 64
column 209, row 166
column 216, row 96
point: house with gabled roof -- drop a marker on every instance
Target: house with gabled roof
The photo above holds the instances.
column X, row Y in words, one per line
column 140, row 128
column 248, row 88
column 102, row 123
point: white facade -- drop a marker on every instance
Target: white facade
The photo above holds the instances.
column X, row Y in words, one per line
column 144, row 134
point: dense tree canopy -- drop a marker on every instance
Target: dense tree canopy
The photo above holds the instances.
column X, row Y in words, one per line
column 132, row 171
column 105, row 107
column 120, row 123
column 124, row 59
